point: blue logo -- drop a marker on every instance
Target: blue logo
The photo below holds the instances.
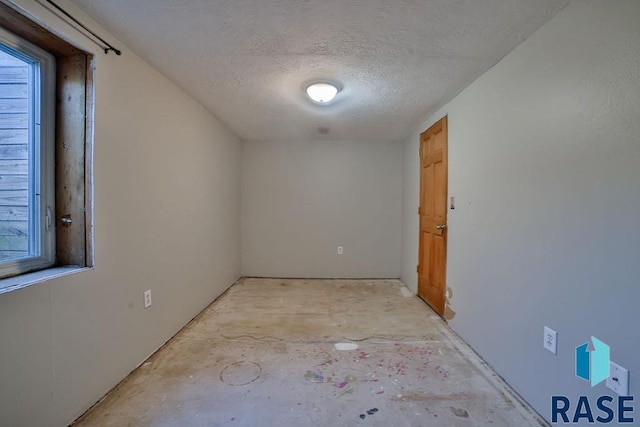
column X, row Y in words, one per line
column 593, row 365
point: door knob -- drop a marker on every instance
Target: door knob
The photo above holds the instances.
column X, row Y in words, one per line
column 441, row 226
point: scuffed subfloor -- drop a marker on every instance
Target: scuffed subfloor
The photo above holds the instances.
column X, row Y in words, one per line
column 264, row 355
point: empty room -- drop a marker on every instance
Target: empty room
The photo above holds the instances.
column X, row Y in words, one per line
column 319, row 213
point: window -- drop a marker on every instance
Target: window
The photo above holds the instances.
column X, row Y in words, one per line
column 46, row 135
column 27, row 138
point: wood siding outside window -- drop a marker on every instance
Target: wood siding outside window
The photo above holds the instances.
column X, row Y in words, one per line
column 14, row 168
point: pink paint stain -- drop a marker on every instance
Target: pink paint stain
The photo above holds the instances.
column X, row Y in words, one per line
column 342, row 384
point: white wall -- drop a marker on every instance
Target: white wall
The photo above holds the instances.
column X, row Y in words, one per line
column 167, row 187
column 303, row 199
column 544, row 162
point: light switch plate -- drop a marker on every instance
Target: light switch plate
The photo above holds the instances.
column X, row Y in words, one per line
column 618, row 380
column 550, row 340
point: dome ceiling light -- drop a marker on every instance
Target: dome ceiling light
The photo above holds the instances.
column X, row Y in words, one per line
column 322, row 92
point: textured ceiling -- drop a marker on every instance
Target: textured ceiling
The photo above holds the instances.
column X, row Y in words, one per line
column 247, row 60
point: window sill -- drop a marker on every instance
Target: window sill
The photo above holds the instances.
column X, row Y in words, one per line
column 22, row 281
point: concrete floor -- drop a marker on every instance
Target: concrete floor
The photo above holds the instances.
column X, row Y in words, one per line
column 265, row 354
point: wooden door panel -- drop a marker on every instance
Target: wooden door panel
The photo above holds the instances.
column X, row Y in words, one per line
column 437, row 279
column 433, row 216
column 431, row 188
column 440, row 195
column 426, row 250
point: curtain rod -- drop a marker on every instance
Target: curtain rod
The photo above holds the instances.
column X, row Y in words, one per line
column 106, row 46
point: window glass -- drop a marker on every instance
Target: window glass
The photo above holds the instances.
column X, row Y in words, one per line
column 27, row 145
column 15, row 146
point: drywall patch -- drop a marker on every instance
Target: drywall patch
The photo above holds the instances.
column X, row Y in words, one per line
column 448, row 311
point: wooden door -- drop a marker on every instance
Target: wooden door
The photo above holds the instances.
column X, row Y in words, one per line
column 433, row 216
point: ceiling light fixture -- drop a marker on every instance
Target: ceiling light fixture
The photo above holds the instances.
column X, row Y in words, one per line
column 322, row 93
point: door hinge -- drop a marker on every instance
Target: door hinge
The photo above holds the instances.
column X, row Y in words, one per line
column 417, row 269
column 419, row 211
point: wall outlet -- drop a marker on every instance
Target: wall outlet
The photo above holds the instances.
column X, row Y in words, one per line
column 147, row 298
column 550, row 340
column 618, row 380
column 340, row 250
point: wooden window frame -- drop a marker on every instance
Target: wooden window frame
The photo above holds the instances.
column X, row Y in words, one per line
column 73, row 141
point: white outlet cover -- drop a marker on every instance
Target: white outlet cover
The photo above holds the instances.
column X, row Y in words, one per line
column 550, row 340
column 340, row 250
column 147, row 298
column 618, row 380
